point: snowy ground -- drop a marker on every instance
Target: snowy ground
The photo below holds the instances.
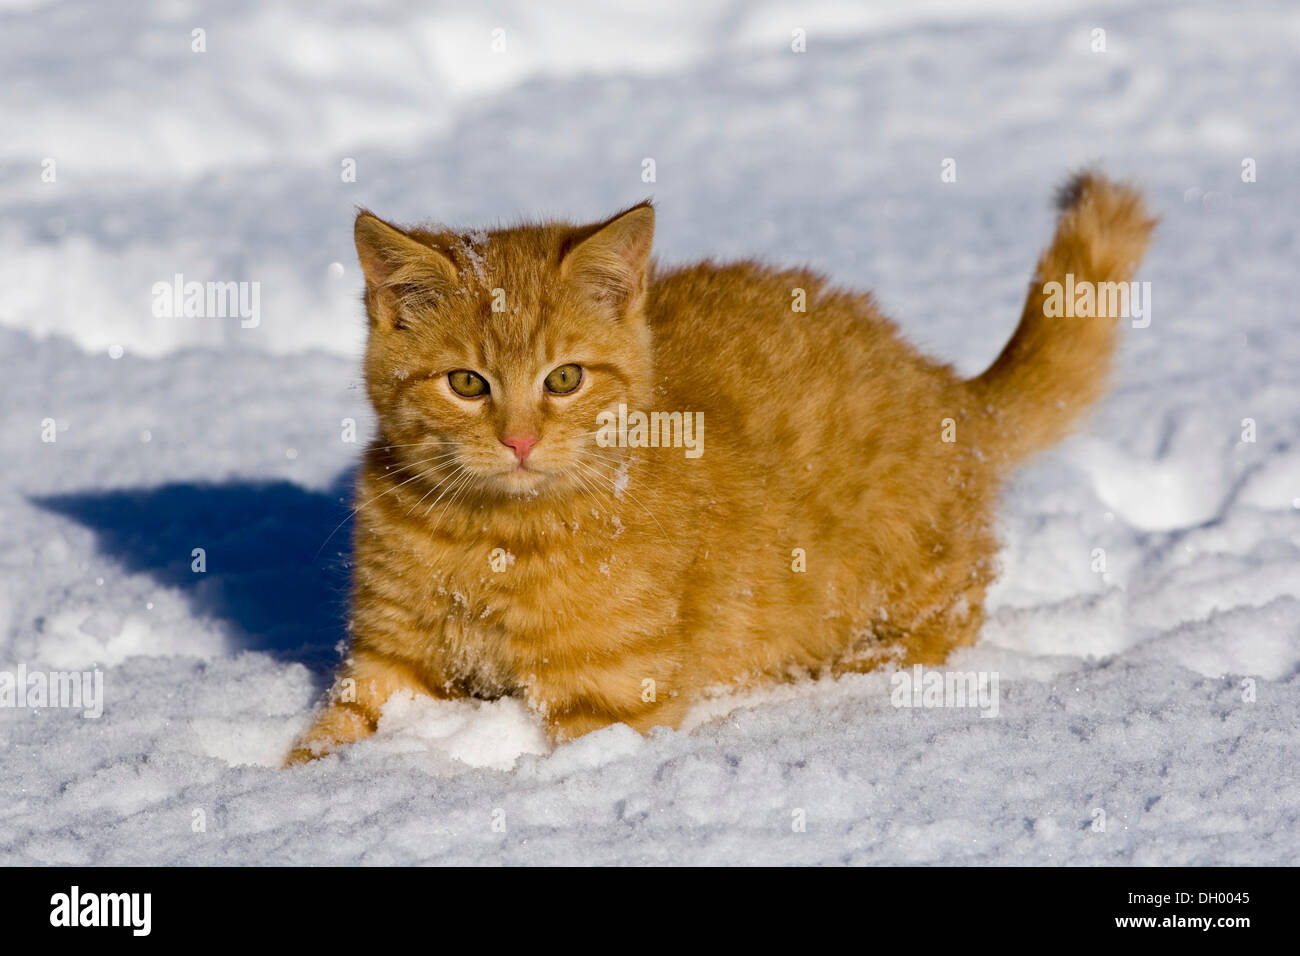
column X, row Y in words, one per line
column 1164, row 692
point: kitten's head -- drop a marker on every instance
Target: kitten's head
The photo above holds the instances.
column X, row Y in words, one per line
column 491, row 354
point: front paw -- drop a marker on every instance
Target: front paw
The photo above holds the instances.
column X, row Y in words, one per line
column 304, row 754
column 338, row 725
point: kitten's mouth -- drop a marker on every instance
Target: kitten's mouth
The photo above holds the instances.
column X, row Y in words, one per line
column 521, row 477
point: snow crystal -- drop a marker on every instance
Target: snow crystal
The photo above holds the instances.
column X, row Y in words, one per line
column 621, row 480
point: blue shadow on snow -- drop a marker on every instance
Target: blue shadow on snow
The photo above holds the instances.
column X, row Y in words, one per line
column 267, row 573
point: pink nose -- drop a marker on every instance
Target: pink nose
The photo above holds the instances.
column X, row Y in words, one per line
column 520, row 444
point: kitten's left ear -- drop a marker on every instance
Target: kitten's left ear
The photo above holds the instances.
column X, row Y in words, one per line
column 389, row 255
column 610, row 259
column 401, row 271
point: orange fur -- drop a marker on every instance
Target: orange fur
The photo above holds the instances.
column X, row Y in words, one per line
column 619, row 584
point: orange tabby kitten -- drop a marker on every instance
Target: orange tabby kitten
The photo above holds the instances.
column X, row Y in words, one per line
column 542, row 515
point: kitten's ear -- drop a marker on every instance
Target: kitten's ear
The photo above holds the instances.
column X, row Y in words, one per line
column 394, row 262
column 610, row 259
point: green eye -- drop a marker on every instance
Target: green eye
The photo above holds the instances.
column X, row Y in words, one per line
column 467, row 384
column 564, row 379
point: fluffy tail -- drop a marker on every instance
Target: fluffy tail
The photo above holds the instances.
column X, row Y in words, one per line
column 1058, row 361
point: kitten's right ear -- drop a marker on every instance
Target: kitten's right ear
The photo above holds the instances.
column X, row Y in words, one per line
column 610, row 259
column 394, row 262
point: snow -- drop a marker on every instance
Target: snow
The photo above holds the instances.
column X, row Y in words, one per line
column 1146, row 629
